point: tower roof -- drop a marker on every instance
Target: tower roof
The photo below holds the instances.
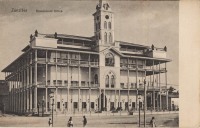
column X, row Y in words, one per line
column 103, row 5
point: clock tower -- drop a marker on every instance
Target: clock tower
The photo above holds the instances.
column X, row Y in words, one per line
column 104, row 25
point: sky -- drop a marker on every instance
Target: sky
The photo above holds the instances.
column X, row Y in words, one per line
column 141, row 22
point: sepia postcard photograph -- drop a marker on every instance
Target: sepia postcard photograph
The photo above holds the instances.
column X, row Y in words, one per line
column 95, row 63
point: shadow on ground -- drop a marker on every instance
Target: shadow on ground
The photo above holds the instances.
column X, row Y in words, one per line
column 172, row 123
column 124, row 123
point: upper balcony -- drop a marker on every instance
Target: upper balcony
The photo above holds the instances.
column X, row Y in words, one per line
column 125, row 66
column 74, row 45
column 131, row 51
column 70, row 62
column 64, row 83
column 133, row 86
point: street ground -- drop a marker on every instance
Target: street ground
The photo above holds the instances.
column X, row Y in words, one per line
column 95, row 120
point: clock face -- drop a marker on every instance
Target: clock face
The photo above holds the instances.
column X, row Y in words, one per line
column 107, row 17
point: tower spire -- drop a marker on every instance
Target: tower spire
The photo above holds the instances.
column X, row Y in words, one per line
column 103, row 5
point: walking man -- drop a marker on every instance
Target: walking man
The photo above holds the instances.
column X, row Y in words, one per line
column 153, row 122
column 50, row 122
column 84, row 121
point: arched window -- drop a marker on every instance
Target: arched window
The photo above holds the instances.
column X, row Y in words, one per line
column 96, row 79
column 112, row 81
column 105, row 37
column 105, row 25
column 109, row 59
column 109, row 25
column 110, row 37
column 107, row 81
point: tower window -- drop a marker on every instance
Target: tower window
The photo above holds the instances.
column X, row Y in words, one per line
column 105, row 24
column 96, row 79
column 109, row 25
column 110, row 37
column 112, row 81
column 99, row 25
column 109, row 59
column 105, row 37
column 99, row 36
column 96, row 26
column 107, row 81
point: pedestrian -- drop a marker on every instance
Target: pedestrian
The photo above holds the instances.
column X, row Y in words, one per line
column 153, row 122
column 70, row 122
column 84, row 121
column 50, row 122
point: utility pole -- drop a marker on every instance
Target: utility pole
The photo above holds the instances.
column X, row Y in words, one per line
column 144, row 103
column 139, row 108
column 42, row 108
column 52, row 111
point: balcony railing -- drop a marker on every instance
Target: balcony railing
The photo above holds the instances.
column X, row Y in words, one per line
column 94, row 63
column 84, row 63
column 75, row 44
column 74, row 83
column 132, row 50
column 72, row 62
column 41, row 60
column 131, row 66
column 140, row 86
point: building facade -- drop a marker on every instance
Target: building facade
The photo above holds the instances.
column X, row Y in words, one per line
column 97, row 73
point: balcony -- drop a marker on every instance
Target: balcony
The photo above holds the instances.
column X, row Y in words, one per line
column 133, row 86
column 84, row 63
column 94, row 64
column 73, row 45
column 123, row 66
column 132, row 51
column 59, row 83
column 85, row 84
column 74, row 62
column 71, row 62
column 74, row 84
column 41, row 60
column 123, row 86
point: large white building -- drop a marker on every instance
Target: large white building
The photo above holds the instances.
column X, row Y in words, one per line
column 87, row 73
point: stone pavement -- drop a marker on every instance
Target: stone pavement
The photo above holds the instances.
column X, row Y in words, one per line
column 162, row 120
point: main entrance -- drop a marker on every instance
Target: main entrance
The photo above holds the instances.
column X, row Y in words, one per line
column 102, row 102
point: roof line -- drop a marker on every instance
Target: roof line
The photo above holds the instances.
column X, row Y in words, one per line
column 15, row 60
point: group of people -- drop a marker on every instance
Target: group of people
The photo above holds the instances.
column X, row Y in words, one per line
column 70, row 122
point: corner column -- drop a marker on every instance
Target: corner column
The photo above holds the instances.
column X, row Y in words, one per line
column 153, row 89
column 167, row 102
column 35, row 89
column 160, row 89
